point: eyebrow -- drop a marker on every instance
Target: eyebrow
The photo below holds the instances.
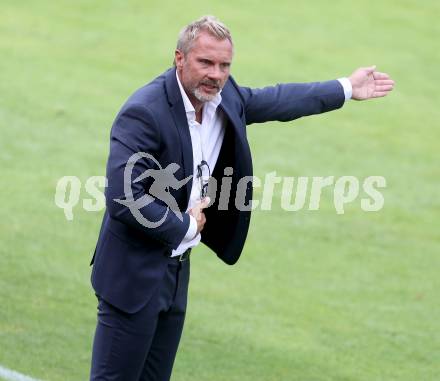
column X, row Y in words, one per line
column 201, row 59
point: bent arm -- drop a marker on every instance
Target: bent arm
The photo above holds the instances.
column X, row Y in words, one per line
column 135, row 131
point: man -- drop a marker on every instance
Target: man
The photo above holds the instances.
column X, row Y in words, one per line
column 193, row 115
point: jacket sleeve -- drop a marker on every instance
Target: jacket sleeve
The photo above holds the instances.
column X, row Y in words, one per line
column 285, row 102
column 135, row 131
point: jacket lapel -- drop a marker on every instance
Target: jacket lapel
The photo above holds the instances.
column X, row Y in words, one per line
column 178, row 113
column 241, row 146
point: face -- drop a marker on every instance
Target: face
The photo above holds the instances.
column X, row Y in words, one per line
column 204, row 70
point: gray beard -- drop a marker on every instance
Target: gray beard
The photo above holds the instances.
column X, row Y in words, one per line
column 202, row 97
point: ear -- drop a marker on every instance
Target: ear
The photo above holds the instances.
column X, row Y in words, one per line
column 179, row 58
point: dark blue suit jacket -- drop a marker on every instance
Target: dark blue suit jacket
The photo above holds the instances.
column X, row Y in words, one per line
column 130, row 259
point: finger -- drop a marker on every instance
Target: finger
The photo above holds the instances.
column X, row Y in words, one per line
column 384, row 88
column 205, row 202
column 202, row 218
column 383, row 82
column 379, row 75
column 378, row 94
column 369, row 69
column 195, row 212
column 196, row 215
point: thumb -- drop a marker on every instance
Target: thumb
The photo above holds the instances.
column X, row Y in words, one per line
column 205, row 202
column 370, row 69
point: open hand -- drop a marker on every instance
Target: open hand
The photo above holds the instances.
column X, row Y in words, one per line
column 368, row 83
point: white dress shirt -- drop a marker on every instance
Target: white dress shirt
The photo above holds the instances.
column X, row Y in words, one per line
column 207, row 139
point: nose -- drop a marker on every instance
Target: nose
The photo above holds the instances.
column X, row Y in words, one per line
column 215, row 73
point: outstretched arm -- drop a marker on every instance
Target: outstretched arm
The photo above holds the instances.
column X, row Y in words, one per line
column 290, row 101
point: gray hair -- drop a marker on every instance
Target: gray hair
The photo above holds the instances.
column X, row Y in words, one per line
column 208, row 24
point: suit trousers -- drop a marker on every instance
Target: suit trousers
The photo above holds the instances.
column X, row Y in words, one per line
column 142, row 346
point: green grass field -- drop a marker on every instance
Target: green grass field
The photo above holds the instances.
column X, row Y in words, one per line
column 316, row 296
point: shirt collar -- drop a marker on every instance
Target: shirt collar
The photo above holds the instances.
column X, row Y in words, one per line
column 189, row 108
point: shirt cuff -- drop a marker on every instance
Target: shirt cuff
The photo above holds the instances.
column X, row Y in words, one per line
column 192, row 229
column 346, row 84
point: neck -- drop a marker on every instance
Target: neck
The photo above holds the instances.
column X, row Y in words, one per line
column 198, row 106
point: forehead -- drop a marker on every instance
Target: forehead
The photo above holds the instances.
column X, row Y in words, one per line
column 212, row 48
